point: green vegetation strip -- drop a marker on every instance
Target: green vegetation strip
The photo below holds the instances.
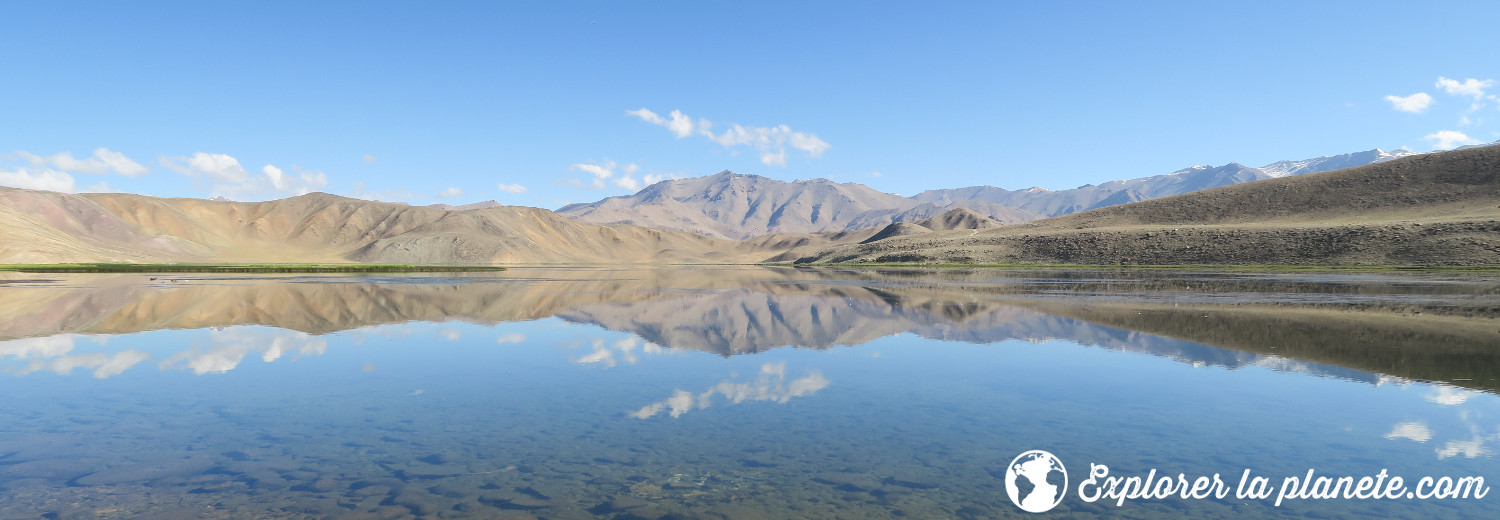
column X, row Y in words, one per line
column 248, row 268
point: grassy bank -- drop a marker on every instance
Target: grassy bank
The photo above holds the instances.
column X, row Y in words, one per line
column 242, row 268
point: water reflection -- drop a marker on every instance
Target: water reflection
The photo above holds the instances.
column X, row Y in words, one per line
column 770, row 385
column 51, row 354
column 605, row 353
column 229, row 346
column 729, row 393
column 1473, row 440
column 1370, row 328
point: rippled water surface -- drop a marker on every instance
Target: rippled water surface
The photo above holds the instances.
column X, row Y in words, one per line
column 734, row 392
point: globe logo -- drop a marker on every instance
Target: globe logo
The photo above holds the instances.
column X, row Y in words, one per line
column 1043, row 481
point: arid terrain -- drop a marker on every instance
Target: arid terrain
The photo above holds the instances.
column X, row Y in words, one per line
column 45, row 227
column 1433, row 209
column 1427, row 209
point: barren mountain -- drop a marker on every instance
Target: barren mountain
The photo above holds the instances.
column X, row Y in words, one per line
column 1364, row 215
column 1051, row 203
column 731, row 205
column 47, row 227
column 742, row 206
column 1430, row 209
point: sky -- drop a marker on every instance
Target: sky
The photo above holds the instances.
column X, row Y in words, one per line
column 548, row 103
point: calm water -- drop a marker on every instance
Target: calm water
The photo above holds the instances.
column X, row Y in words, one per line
column 735, row 392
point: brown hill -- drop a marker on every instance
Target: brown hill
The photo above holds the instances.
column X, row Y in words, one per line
column 1431, row 209
column 989, row 210
column 961, row 218
column 47, row 227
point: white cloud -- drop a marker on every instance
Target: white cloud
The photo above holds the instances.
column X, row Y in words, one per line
column 771, row 142
column 1470, row 87
column 368, row 159
column 514, row 337
column 54, row 172
column 305, row 182
column 1410, row 430
column 680, row 124
column 629, row 183
column 511, row 188
column 278, row 178
column 626, row 180
column 600, row 172
column 647, row 116
column 450, row 193
column 230, row 180
column 777, row 158
column 451, row 334
column 604, row 175
column 103, row 162
column 216, row 166
column 45, row 179
column 1415, row 103
column 1449, row 139
column 273, row 182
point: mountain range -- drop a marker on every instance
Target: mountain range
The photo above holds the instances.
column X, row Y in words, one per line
column 47, row 227
column 731, row 205
column 1289, row 212
column 1428, row 209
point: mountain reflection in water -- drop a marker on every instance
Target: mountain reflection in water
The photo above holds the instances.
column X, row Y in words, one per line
column 1364, row 327
column 730, row 392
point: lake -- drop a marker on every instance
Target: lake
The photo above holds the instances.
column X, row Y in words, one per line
column 747, row 392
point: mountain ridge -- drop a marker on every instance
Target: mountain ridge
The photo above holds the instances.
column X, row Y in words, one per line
column 743, row 206
column 808, row 221
column 1428, row 209
column 50, row 227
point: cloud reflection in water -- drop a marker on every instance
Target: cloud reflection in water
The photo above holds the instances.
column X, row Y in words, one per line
column 770, row 385
column 231, row 345
column 51, row 354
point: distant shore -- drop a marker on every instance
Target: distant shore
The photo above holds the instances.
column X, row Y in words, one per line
column 242, row 268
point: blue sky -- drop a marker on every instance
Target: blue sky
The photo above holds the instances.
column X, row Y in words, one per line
column 539, row 103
